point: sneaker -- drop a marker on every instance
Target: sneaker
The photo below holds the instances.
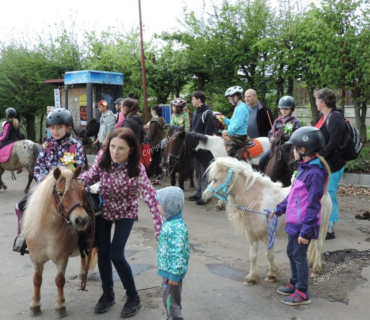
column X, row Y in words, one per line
column 200, row 202
column 131, row 306
column 297, row 298
column 194, row 198
column 105, row 302
column 330, row 235
column 156, row 182
column 287, row 290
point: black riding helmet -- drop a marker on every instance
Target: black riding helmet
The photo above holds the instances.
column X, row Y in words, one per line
column 310, row 138
column 118, row 101
column 287, row 102
column 10, row 113
column 59, row 116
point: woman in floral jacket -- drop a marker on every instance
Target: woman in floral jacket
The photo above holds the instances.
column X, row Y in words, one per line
column 121, row 178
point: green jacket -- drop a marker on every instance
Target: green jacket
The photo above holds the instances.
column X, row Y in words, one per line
column 173, row 249
column 180, row 120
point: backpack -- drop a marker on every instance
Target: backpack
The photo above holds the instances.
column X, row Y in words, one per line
column 218, row 125
column 351, row 145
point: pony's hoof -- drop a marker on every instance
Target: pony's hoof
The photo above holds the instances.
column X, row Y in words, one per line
column 60, row 313
column 314, row 274
column 249, row 282
column 270, row 279
column 5, row 187
column 218, row 208
column 35, row 311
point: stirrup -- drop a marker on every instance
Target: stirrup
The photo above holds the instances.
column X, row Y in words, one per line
column 23, row 248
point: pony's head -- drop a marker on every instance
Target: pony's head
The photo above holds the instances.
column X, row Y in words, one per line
column 92, row 128
column 283, row 153
column 58, row 199
column 176, row 146
column 238, row 181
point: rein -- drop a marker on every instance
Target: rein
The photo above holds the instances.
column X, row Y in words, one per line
column 271, row 225
column 65, row 217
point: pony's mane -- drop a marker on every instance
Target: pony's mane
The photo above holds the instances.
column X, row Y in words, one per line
column 240, row 167
column 40, row 202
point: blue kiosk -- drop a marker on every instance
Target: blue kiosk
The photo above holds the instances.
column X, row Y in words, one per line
column 83, row 89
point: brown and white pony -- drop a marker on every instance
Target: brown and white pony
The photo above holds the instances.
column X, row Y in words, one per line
column 255, row 191
column 54, row 215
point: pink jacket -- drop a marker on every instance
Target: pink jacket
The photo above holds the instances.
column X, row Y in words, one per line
column 121, row 119
column 121, row 193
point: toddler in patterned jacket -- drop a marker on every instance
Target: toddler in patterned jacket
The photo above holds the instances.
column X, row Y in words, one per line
column 173, row 249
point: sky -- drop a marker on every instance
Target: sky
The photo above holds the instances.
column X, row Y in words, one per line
column 32, row 17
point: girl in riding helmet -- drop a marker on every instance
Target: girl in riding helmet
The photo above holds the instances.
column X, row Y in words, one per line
column 286, row 123
column 11, row 132
column 52, row 155
column 237, row 126
column 303, row 210
column 179, row 117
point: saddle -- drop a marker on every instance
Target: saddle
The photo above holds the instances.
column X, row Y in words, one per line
column 5, row 152
column 250, row 150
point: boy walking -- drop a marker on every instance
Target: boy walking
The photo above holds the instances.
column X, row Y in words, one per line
column 173, row 249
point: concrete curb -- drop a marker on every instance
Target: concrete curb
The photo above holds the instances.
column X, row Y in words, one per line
column 361, row 180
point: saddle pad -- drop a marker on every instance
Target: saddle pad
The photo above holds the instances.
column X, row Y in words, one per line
column 253, row 152
column 5, row 152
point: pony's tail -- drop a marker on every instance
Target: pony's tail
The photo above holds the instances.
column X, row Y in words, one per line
column 94, row 259
column 323, row 161
column 36, row 148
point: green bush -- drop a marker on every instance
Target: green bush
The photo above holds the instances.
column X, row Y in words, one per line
column 361, row 164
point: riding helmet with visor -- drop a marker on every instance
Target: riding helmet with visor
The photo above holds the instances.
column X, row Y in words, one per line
column 309, row 138
column 178, row 102
column 59, row 116
column 234, row 90
column 286, row 102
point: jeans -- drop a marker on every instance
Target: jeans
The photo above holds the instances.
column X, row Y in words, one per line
column 332, row 190
column 297, row 254
column 264, row 159
column 114, row 252
column 201, row 177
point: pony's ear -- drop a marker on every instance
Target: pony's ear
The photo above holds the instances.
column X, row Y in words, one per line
column 77, row 172
column 57, row 173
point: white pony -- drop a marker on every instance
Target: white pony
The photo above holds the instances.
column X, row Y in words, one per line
column 253, row 190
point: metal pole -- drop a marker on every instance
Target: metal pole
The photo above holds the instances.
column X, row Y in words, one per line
column 143, row 65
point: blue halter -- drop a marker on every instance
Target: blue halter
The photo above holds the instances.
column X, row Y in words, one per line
column 223, row 187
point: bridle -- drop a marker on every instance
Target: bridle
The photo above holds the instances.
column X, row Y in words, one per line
column 282, row 155
column 63, row 213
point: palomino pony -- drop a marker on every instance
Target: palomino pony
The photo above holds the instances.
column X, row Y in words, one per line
column 254, row 191
column 54, row 215
column 24, row 155
column 281, row 163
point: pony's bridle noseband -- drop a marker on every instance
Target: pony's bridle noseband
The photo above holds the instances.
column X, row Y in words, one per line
column 223, row 187
column 64, row 215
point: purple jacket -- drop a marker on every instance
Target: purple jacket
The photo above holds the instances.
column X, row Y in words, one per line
column 303, row 204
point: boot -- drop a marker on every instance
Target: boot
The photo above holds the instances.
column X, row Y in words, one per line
column 19, row 214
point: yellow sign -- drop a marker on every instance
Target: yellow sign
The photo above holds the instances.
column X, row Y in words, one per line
column 83, row 100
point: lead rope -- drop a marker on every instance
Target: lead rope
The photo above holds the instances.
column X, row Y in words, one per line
column 84, row 279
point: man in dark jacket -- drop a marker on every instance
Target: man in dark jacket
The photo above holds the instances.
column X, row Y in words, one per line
column 260, row 118
column 205, row 125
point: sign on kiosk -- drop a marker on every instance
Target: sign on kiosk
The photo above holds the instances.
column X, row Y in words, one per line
column 57, row 98
column 83, row 109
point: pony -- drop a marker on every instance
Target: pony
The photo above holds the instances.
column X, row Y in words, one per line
column 281, row 163
column 180, row 159
column 24, row 155
column 254, row 191
column 54, row 216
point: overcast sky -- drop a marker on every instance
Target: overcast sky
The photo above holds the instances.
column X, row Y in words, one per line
column 35, row 16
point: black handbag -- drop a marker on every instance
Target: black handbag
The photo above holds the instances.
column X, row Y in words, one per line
column 96, row 201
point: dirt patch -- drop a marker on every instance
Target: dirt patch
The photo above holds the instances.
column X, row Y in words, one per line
column 151, row 297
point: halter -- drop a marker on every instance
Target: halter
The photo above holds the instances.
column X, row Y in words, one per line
column 223, row 187
column 63, row 214
column 281, row 155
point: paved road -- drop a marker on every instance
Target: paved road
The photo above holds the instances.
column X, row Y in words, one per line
column 212, row 289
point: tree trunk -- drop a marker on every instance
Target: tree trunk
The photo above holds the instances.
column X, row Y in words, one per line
column 290, row 86
column 30, row 123
column 360, row 109
column 41, row 128
column 314, row 111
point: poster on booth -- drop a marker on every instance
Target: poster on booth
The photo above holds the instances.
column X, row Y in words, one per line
column 83, row 109
column 57, row 98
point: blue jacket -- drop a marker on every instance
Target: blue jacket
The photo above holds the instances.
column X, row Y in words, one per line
column 238, row 124
column 173, row 249
column 303, row 204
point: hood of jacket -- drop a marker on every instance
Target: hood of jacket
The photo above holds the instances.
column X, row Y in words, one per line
column 161, row 122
